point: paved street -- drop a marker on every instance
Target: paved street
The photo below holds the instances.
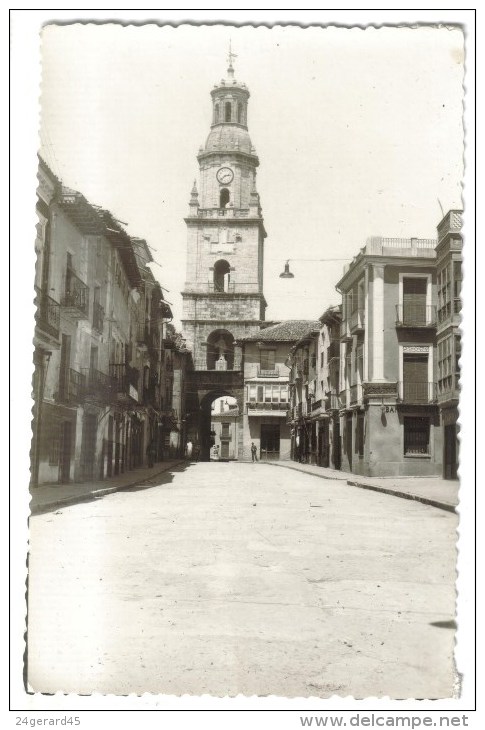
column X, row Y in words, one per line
column 231, row 578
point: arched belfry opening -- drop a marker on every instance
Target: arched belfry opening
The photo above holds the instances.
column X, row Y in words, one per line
column 239, row 113
column 228, row 111
column 216, row 113
column 224, row 197
column 220, row 350
column 222, row 276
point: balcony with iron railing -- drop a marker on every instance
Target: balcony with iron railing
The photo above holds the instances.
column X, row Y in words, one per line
column 416, row 393
column 126, row 379
column 268, row 372
column 76, row 296
column 71, row 386
column 332, row 402
column 48, row 315
column 415, row 315
column 98, row 386
column 317, row 404
column 98, row 317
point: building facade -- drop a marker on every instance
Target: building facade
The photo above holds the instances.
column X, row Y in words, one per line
column 315, row 404
column 389, row 417
column 266, row 389
column 98, row 341
column 223, row 296
column 448, row 265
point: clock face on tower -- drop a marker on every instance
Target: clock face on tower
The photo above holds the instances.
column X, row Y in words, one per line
column 225, row 175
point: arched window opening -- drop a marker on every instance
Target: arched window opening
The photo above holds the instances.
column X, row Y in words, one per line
column 228, row 112
column 221, row 276
column 216, row 113
column 224, row 197
column 239, row 113
column 220, row 350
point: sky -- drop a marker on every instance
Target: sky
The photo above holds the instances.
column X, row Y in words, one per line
column 359, row 133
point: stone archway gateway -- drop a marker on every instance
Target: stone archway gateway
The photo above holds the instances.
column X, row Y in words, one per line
column 205, row 387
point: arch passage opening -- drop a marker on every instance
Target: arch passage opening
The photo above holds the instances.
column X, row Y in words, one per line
column 220, row 350
column 222, row 276
column 227, row 111
column 218, row 427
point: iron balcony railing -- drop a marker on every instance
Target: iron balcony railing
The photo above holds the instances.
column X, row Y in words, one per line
column 98, row 385
column 332, row 402
column 357, row 320
column 416, row 393
column 76, row 295
column 268, row 372
column 317, row 404
column 124, row 376
column 71, row 386
column 48, row 315
column 98, row 316
column 415, row 315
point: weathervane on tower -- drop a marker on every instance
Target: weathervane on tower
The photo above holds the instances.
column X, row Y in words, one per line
column 230, row 56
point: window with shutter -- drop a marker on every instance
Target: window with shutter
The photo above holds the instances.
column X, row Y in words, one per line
column 415, row 377
column 414, row 301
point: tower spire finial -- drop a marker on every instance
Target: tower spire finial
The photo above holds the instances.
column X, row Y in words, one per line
column 230, row 56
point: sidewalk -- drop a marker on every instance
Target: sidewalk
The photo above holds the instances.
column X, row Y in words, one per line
column 437, row 492
column 48, row 496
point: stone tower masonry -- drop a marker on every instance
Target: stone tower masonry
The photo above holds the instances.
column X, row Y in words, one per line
column 223, row 294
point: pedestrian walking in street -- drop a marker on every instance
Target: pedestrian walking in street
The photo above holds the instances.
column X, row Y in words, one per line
column 188, row 450
column 254, row 451
column 197, row 452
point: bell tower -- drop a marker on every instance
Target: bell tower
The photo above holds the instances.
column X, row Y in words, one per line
column 223, row 294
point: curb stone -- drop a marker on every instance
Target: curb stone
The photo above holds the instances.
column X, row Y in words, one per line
column 96, row 494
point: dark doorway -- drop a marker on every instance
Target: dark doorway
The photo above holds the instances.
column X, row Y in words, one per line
column 336, row 449
column 270, row 442
column 450, row 466
column 66, row 446
column 323, row 445
column 348, row 439
column 64, row 368
column 88, row 448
